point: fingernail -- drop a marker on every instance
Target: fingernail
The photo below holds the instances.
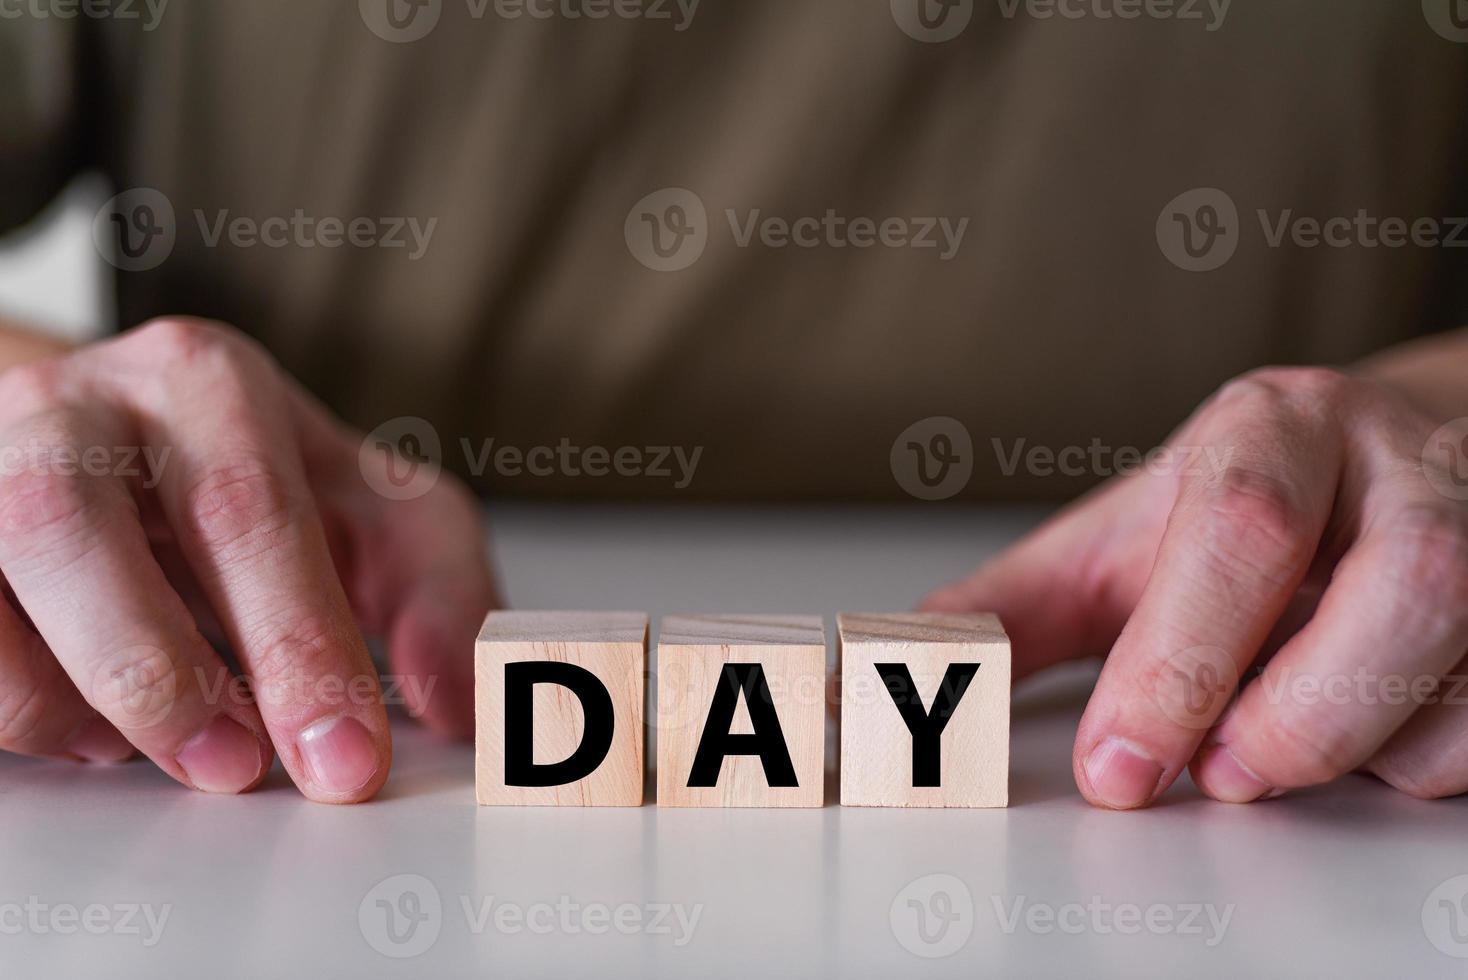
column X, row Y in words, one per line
column 223, row 758
column 340, row 755
column 1225, row 778
column 97, row 741
column 1121, row 775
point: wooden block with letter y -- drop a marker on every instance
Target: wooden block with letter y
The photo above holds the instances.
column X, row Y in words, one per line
column 558, row 702
column 741, row 711
column 924, row 710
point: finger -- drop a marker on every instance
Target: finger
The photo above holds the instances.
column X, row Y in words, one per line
column 164, row 545
column 415, row 569
column 1064, row 592
column 435, row 591
column 1237, row 546
column 236, row 496
column 74, row 553
column 1397, row 608
column 1428, row 756
column 41, row 712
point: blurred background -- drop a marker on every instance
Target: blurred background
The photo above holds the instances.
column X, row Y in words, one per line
column 868, row 249
column 51, row 277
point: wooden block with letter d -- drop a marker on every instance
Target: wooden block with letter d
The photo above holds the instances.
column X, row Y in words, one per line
column 558, row 705
column 924, row 710
column 741, row 711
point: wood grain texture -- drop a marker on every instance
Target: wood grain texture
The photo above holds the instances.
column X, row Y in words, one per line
column 564, row 626
column 876, row 743
column 916, row 627
column 692, row 652
column 741, row 630
column 613, row 646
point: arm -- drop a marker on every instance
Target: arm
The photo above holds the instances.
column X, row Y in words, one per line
column 1432, row 372
column 20, row 346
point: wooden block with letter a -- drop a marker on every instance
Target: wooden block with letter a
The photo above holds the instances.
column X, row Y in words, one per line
column 924, row 710
column 741, row 711
column 558, row 702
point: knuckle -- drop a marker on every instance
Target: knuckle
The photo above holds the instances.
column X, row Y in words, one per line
column 1254, row 502
column 1245, row 390
column 1253, row 519
column 231, row 366
column 1429, row 564
column 41, row 500
column 237, row 502
column 290, row 658
column 138, row 686
column 180, row 338
column 1276, row 391
column 1307, row 380
column 50, row 505
column 1293, row 381
column 1191, row 688
column 200, row 347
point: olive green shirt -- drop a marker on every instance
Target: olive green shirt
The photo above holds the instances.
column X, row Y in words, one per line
column 777, row 232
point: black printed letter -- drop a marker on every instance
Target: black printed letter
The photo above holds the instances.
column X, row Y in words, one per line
column 767, row 740
column 926, row 727
column 596, row 737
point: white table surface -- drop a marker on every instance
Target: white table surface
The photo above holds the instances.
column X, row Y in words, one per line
column 1343, row 881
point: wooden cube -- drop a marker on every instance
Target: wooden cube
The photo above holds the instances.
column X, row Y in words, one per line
column 741, row 711
column 924, row 710
column 559, row 708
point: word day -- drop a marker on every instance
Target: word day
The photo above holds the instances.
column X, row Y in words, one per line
column 741, row 704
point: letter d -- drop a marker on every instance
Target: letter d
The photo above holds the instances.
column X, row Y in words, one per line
column 596, row 737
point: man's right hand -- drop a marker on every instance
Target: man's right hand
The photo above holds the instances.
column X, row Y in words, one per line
column 173, row 484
